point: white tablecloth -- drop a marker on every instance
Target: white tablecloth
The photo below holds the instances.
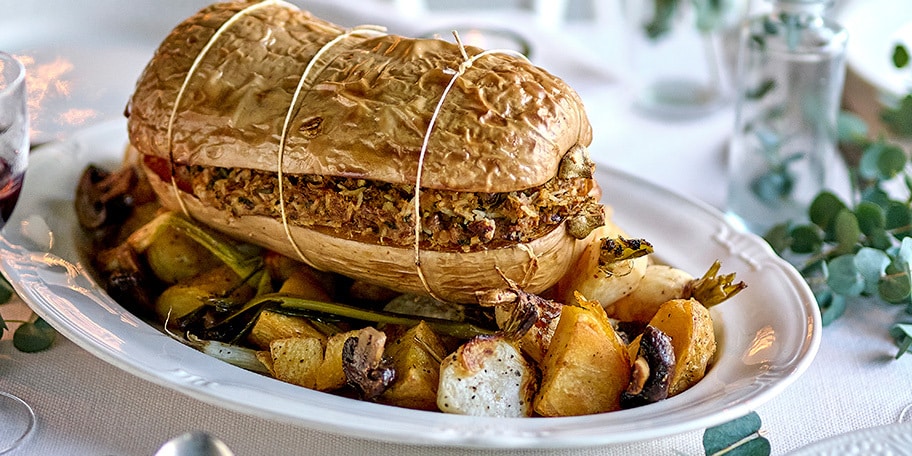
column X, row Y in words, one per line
column 88, row 407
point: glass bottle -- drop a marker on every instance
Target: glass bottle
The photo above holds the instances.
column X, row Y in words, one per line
column 791, row 67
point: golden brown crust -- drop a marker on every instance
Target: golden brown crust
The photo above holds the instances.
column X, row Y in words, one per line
column 504, row 125
column 452, row 276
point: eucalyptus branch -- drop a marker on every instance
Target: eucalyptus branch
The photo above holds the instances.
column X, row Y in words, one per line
column 861, row 247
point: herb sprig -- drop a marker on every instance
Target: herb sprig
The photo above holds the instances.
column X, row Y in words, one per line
column 861, row 247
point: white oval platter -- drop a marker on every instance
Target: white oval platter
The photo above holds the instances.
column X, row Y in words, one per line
column 768, row 335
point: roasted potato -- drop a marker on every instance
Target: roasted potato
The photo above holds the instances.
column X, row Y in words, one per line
column 305, row 283
column 416, row 357
column 311, row 362
column 586, row 367
column 296, row 360
column 690, row 327
column 330, row 375
column 271, row 326
column 173, row 256
column 487, row 376
column 218, row 283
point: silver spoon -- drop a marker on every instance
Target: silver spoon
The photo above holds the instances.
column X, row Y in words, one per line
column 195, row 443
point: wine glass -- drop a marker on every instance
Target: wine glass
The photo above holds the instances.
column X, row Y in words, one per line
column 17, row 419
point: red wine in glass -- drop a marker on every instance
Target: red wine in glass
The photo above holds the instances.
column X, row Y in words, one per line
column 17, row 419
column 10, row 186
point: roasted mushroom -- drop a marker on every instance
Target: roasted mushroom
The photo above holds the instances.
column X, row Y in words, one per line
column 103, row 197
column 652, row 370
column 364, row 365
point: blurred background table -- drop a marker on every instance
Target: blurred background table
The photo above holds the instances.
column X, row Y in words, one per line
column 86, row 57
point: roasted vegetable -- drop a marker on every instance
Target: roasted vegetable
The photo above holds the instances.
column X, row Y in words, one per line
column 524, row 317
column 487, row 376
column 297, row 333
column 310, row 308
column 173, row 256
column 690, row 327
column 416, row 357
column 586, row 367
column 242, row 357
column 607, row 270
column 653, row 367
column 304, row 283
column 330, row 374
column 297, row 360
column 106, row 202
column 662, row 283
column 218, row 285
column 243, row 259
column 364, row 363
column 272, row 325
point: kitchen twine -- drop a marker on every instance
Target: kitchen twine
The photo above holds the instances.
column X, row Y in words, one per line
column 467, row 63
column 364, row 30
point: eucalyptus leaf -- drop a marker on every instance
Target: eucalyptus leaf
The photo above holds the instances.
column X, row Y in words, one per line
column 843, row 277
column 832, row 306
column 662, row 18
column 711, row 14
column 902, row 333
column 877, row 196
column 871, row 264
column 899, row 119
column 904, row 254
column 881, row 161
column 880, row 239
column 769, row 139
column 756, row 42
column 900, row 56
column 764, row 87
column 3, row 327
column 742, row 437
column 898, row 219
column 34, row 337
column 895, row 286
column 770, row 27
column 779, row 238
column 824, row 209
column 851, row 128
column 891, row 162
column 871, row 217
column 6, row 290
column 805, row 239
column 846, row 232
column 773, row 186
column 870, row 156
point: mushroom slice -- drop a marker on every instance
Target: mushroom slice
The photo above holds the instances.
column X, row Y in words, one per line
column 653, row 367
column 103, row 197
column 364, row 365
